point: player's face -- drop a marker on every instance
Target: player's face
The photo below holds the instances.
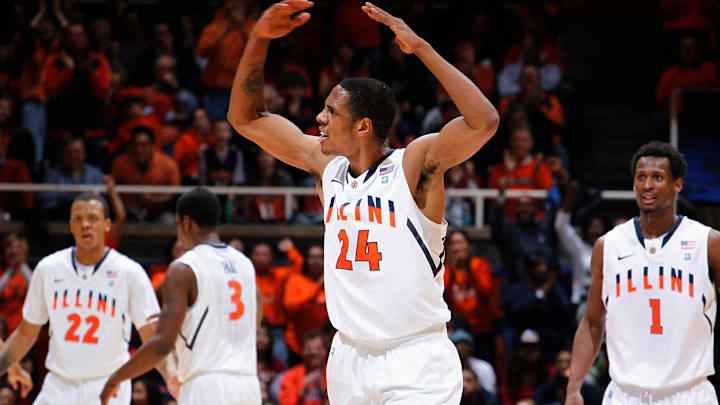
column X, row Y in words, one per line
column 88, row 224
column 335, row 123
column 654, row 186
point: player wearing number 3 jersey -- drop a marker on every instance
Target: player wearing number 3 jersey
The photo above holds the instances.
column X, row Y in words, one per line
column 384, row 229
column 209, row 315
column 91, row 295
column 653, row 293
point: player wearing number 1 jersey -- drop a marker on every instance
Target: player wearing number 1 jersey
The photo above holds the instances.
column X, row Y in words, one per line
column 209, row 315
column 383, row 215
column 91, row 295
column 653, row 294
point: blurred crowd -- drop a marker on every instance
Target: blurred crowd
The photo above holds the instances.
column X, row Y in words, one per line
column 128, row 93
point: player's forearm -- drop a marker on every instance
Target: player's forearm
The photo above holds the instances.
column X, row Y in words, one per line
column 246, row 98
column 586, row 345
column 167, row 368
column 477, row 110
column 15, row 348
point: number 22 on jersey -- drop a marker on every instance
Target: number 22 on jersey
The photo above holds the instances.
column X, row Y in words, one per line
column 364, row 252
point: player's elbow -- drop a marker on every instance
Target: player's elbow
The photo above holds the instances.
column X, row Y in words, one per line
column 492, row 121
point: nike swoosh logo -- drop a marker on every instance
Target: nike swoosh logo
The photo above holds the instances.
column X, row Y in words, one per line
column 57, row 280
column 623, row 257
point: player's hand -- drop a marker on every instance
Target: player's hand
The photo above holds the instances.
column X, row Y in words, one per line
column 173, row 386
column 405, row 37
column 17, row 376
column 574, row 398
column 109, row 391
column 278, row 21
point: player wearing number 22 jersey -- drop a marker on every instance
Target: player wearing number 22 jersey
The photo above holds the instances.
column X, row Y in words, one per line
column 209, row 315
column 653, row 292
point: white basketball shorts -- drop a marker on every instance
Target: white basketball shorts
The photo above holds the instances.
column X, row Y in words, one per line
column 700, row 392
column 58, row 390
column 423, row 370
column 220, row 389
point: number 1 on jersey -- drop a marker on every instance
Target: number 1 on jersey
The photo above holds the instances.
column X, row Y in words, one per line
column 655, row 328
column 364, row 252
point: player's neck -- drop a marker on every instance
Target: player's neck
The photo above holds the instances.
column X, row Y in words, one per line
column 90, row 257
column 210, row 238
column 654, row 225
column 368, row 155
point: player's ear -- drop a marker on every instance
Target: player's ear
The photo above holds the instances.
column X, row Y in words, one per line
column 107, row 224
column 678, row 185
column 364, row 127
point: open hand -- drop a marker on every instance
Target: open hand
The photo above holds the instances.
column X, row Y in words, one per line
column 18, row 376
column 278, row 21
column 173, row 386
column 405, row 37
column 574, row 398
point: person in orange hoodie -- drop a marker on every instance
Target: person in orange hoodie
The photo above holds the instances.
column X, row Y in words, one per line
column 305, row 384
column 304, row 299
column 271, row 284
column 15, row 278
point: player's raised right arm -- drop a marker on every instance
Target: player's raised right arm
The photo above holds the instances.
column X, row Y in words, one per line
column 589, row 335
column 247, row 113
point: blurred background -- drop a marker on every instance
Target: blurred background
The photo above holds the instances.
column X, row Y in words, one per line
column 110, row 95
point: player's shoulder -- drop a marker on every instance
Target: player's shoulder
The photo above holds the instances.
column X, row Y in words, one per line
column 694, row 226
column 54, row 260
column 123, row 262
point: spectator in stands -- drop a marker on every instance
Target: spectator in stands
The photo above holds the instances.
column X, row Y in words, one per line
column 271, row 283
column 189, row 145
column 237, row 244
column 112, row 238
column 143, row 165
column 345, row 63
column 481, row 72
column 543, row 110
column 305, row 383
column 222, row 163
column 77, row 82
column 304, row 299
column 14, row 170
column 691, row 71
column 167, row 98
column 509, row 78
column 7, row 127
column 460, row 209
column 578, row 248
column 145, row 392
column 72, row 169
column 15, row 278
column 268, row 367
column 222, row 42
column 552, row 392
column 46, row 24
column 297, row 99
column 519, row 169
column 539, row 302
column 157, row 271
column 7, row 395
column 131, row 112
column 473, row 393
column 267, row 208
column 526, row 371
column 465, row 343
column 350, row 23
column 470, row 292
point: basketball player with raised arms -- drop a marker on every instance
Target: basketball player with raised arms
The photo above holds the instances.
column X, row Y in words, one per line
column 91, row 295
column 653, row 295
column 384, row 228
column 209, row 315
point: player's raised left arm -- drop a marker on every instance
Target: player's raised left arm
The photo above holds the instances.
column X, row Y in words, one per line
column 178, row 284
column 464, row 136
column 714, row 255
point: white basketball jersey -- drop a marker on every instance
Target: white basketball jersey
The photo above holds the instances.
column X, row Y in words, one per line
column 89, row 318
column 660, row 305
column 218, row 334
column 383, row 257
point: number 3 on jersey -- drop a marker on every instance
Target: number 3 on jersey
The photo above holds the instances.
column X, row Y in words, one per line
column 239, row 306
column 364, row 252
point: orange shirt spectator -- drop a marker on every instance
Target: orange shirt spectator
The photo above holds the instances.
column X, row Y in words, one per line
column 14, row 280
column 190, row 144
column 304, row 300
column 689, row 72
column 519, row 170
column 271, row 280
column 306, row 384
column 548, row 105
column 222, row 42
column 469, row 291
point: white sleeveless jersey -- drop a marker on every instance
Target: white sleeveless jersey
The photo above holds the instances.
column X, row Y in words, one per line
column 218, row 334
column 383, row 257
column 660, row 305
column 89, row 318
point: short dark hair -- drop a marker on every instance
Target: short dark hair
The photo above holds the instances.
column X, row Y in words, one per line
column 142, row 129
column 678, row 166
column 373, row 99
column 201, row 206
column 94, row 197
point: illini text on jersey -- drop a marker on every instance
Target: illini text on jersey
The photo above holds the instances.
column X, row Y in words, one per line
column 655, row 278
